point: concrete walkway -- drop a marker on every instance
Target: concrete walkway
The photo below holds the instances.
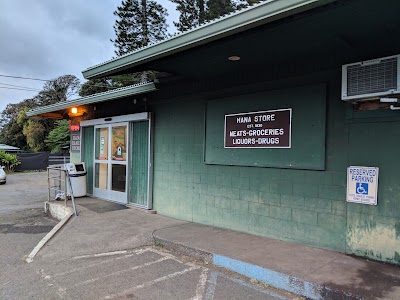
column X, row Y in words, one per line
column 307, row 271
column 311, row 272
column 104, row 227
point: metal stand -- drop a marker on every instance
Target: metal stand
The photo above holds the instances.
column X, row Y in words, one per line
column 62, row 179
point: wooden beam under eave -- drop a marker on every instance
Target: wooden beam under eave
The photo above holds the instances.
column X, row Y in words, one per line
column 56, row 116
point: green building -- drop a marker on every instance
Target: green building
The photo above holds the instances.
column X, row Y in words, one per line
column 253, row 122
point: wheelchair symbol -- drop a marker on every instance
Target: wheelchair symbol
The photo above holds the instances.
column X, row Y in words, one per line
column 362, row 188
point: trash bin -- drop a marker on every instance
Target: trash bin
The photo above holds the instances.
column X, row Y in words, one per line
column 77, row 174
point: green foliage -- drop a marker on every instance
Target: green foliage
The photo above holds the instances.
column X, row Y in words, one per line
column 59, row 137
column 94, row 86
column 216, row 8
column 191, row 14
column 10, row 161
column 139, row 23
column 58, row 90
column 28, row 134
column 10, row 126
column 35, row 133
column 197, row 12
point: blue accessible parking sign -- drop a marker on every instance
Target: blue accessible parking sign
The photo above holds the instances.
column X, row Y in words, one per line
column 362, row 185
column 361, row 188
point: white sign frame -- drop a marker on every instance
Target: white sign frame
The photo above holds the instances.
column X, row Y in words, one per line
column 366, row 192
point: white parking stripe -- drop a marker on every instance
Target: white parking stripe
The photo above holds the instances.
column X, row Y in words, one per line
column 165, row 254
column 150, row 283
column 201, row 286
column 101, row 254
column 212, row 285
column 254, row 287
column 60, row 290
column 101, row 263
column 122, row 271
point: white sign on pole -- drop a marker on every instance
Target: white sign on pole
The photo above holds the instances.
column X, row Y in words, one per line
column 362, row 185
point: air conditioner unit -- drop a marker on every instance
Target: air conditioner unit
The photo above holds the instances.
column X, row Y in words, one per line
column 371, row 79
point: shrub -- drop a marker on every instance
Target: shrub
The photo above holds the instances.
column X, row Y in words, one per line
column 10, row 161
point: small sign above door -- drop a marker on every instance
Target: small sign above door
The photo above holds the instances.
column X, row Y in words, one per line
column 75, row 142
column 261, row 129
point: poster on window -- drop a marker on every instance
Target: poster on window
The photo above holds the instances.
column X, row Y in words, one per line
column 119, row 143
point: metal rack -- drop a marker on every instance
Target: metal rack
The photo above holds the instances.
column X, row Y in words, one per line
column 60, row 183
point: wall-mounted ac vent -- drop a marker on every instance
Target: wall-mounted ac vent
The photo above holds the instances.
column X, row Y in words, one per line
column 371, row 79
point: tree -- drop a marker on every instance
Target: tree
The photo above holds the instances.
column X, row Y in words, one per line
column 197, row 12
column 28, row 134
column 58, row 90
column 11, row 130
column 217, row 8
column 139, row 23
column 11, row 112
column 35, row 133
column 94, row 86
column 246, row 3
column 59, row 137
column 192, row 14
column 100, row 85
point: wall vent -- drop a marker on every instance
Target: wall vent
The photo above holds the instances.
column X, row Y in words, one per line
column 371, row 79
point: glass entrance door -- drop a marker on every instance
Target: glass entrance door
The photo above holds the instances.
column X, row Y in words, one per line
column 110, row 162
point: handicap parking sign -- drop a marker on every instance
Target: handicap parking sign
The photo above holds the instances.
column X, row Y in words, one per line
column 362, row 185
column 361, row 188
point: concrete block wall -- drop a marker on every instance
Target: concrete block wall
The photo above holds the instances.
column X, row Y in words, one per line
column 374, row 231
column 299, row 205
column 303, row 206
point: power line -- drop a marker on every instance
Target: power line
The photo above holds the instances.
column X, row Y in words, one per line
column 47, row 80
column 18, row 89
column 19, row 86
column 20, row 77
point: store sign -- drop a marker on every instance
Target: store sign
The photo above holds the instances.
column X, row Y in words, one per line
column 362, row 185
column 74, row 127
column 75, row 142
column 261, row 129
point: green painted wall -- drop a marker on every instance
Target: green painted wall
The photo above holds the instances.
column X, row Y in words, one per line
column 139, row 160
column 87, row 155
column 299, row 205
column 303, row 206
column 374, row 231
column 303, row 154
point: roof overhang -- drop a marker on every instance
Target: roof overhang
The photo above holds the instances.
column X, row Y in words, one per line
column 4, row 147
column 51, row 110
column 263, row 13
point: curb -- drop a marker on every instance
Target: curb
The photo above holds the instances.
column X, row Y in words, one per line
column 183, row 249
column 49, row 235
column 269, row 277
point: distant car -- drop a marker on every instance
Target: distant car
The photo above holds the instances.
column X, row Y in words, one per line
column 3, row 176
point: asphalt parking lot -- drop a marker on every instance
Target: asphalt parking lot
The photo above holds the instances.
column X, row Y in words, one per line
column 23, row 191
column 85, row 271
column 147, row 273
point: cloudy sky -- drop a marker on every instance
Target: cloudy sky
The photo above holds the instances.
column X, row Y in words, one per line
column 44, row 39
